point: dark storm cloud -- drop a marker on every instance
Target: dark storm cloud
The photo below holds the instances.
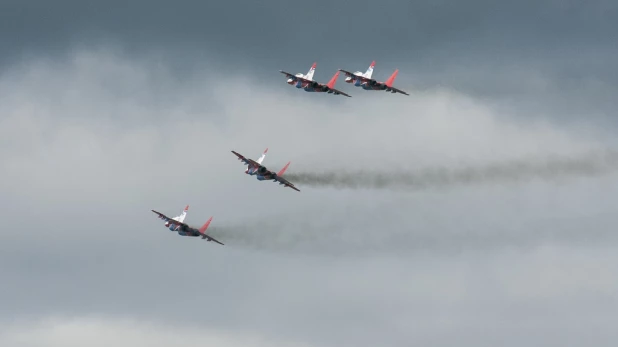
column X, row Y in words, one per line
column 273, row 32
column 361, row 22
column 532, row 53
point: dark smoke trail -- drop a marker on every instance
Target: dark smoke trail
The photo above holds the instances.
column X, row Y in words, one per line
column 592, row 164
column 279, row 236
column 335, row 240
column 354, row 232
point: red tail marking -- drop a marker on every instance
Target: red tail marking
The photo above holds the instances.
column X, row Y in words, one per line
column 314, row 65
column 187, row 208
column 390, row 80
column 373, row 64
column 331, row 83
column 205, row 226
column 280, row 173
column 266, row 150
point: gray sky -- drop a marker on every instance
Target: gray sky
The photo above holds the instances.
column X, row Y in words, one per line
column 109, row 111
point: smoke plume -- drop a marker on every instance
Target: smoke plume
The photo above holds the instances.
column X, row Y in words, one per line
column 337, row 238
column 547, row 169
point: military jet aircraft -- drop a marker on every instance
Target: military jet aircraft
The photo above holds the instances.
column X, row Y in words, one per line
column 176, row 224
column 255, row 168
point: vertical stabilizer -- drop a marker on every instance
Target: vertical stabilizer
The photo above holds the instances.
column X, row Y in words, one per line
column 390, row 80
column 369, row 71
column 282, row 171
column 182, row 216
column 261, row 159
column 205, row 226
column 309, row 74
column 331, row 83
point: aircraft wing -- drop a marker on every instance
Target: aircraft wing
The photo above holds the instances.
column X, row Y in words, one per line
column 381, row 84
column 348, row 73
column 246, row 160
column 288, row 74
column 204, row 236
column 337, row 92
column 286, row 183
column 168, row 219
column 294, row 77
column 398, row 91
column 362, row 78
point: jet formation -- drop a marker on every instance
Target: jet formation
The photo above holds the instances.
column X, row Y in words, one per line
column 255, row 168
column 357, row 79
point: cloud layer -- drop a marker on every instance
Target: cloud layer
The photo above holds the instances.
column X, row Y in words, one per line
column 105, row 331
column 90, row 144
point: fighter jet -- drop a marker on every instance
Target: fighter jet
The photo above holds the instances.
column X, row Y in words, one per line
column 307, row 83
column 176, row 224
column 255, row 168
column 365, row 81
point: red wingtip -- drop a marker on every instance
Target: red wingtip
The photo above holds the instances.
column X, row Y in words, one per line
column 390, row 80
column 331, row 83
column 282, row 171
column 205, row 226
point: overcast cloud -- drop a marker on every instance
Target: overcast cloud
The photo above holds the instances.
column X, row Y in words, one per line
column 109, row 111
